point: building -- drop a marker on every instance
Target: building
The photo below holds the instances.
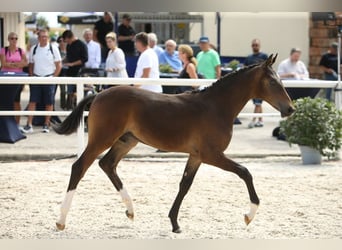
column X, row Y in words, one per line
column 12, row 22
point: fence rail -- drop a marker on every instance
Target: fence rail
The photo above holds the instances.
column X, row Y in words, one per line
column 163, row 81
column 80, row 81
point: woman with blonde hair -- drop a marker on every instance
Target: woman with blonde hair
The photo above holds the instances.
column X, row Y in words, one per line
column 14, row 59
column 116, row 62
column 186, row 55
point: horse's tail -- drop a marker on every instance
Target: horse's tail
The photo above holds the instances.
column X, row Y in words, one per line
column 71, row 123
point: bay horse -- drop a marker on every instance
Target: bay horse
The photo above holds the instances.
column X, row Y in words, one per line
column 198, row 123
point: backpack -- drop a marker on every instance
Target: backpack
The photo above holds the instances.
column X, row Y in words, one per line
column 19, row 49
column 36, row 46
column 25, row 69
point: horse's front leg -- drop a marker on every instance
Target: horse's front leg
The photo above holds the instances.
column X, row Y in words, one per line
column 226, row 164
column 184, row 186
column 79, row 168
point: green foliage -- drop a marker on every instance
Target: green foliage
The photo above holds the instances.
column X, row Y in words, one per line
column 165, row 68
column 316, row 123
column 42, row 22
column 234, row 64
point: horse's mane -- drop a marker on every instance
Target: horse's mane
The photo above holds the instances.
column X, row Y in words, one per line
column 225, row 79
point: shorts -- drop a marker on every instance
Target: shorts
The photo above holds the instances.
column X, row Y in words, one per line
column 71, row 88
column 44, row 94
column 257, row 102
column 18, row 93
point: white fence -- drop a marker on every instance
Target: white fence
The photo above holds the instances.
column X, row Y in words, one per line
column 80, row 81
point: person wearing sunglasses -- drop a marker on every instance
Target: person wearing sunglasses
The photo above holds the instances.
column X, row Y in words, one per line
column 13, row 59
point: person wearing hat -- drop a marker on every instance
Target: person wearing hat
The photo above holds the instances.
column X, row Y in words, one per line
column 329, row 65
column 293, row 68
column 126, row 36
column 209, row 63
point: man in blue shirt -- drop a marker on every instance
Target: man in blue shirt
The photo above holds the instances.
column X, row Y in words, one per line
column 170, row 56
column 256, row 57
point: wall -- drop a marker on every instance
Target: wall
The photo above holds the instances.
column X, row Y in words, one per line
column 321, row 36
column 14, row 22
column 278, row 32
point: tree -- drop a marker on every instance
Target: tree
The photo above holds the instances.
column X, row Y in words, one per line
column 42, row 22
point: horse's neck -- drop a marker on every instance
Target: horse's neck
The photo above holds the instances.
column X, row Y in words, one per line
column 231, row 96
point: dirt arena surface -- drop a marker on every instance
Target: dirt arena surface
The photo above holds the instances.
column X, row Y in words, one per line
column 296, row 201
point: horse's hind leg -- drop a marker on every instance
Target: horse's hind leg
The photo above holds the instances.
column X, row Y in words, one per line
column 79, row 168
column 109, row 163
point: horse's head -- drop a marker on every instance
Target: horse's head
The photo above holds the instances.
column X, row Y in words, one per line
column 272, row 90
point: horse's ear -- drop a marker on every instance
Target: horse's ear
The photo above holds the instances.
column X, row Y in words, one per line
column 274, row 58
column 269, row 61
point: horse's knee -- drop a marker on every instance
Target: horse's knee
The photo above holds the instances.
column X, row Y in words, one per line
column 76, row 169
column 103, row 163
column 76, row 175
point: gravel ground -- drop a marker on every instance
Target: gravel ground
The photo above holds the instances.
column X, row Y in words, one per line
column 296, row 201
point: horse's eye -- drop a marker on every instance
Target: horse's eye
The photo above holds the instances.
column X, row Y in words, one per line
column 273, row 82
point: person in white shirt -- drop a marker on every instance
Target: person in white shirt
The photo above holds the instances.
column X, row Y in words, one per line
column 115, row 62
column 44, row 61
column 292, row 68
column 148, row 63
column 94, row 50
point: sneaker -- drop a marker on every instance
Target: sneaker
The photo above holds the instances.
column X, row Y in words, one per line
column 46, row 129
column 27, row 129
column 259, row 124
column 251, row 124
column 21, row 129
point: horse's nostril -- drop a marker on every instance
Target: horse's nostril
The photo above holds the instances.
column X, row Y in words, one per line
column 291, row 110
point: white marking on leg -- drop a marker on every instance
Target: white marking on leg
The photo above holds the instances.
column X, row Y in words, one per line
column 253, row 211
column 65, row 207
column 126, row 200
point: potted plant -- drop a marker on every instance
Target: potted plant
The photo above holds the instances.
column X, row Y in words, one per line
column 316, row 126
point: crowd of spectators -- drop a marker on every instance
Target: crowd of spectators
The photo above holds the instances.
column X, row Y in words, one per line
column 102, row 48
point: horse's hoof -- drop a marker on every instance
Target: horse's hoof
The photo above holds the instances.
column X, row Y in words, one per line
column 130, row 216
column 247, row 220
column 177, row 230
column 60, row 227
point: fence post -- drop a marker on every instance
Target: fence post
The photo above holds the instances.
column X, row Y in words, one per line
column 80, row 130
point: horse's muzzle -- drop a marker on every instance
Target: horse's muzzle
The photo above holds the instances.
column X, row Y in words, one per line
column 288, row 111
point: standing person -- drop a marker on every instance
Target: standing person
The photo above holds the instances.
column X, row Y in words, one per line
column 170, row 56
column 115, row 63
column 186, row 55
column 209, row 63
column 62, row 87
column 62, row 47
column 101, row 29
column 13, row 59
column 330, row 66
column 77, row 56
column 153, row 43
column 148, row 65
column 126, row 36
column 94, row 50
column 293, row 68
column 45, row 61
column 256, row 57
